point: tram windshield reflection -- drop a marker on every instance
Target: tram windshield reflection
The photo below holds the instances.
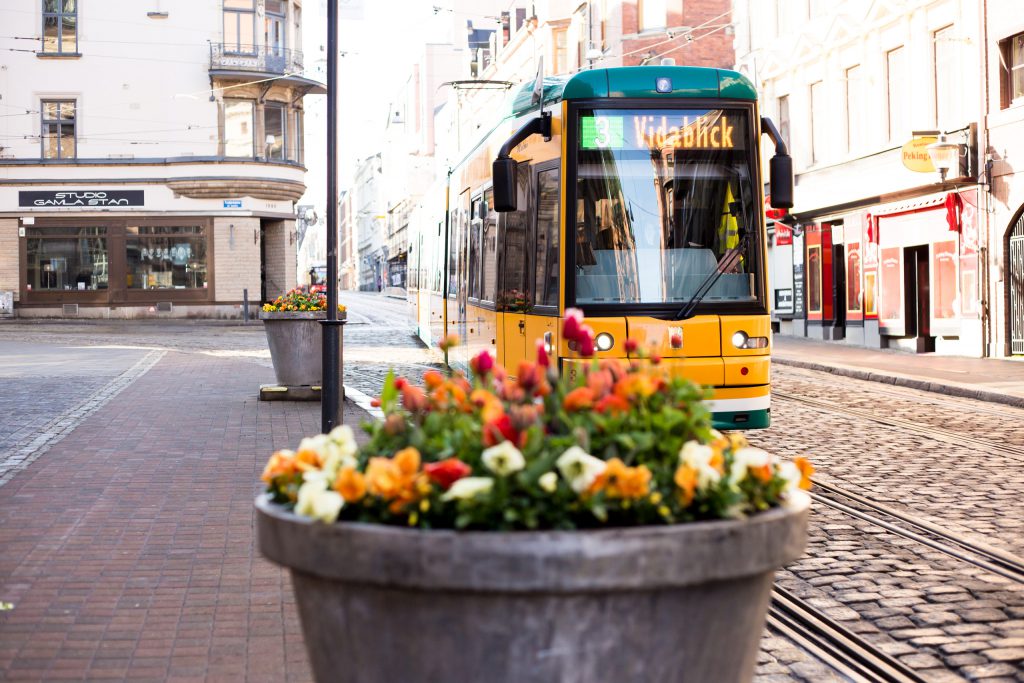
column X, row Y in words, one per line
column 662, row 198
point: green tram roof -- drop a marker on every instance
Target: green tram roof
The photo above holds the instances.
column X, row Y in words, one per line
column 637, row 81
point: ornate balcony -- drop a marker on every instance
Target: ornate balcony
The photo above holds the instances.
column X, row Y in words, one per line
column 256, row 62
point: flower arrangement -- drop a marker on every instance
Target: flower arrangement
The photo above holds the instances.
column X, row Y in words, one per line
column 299, row 299
column 622, row 444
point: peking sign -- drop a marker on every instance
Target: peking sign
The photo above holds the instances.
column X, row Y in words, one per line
column 915, row 154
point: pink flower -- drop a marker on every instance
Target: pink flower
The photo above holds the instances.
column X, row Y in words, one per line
column 482, row 363
column 572, row 324
column 542, row 355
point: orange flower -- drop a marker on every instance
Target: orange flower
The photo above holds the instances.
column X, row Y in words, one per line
column 350, row 484
column 579, row 398
column 489, row 404
column 408, row 461
column 635, row 385
column 619, row 481
column 433, row 379
column 397, row 480
column 280, row 463
column 686, row 479
column 307, row 459
column 413, row 399
column 763, row 473
column 806, row 470
column 383, row 478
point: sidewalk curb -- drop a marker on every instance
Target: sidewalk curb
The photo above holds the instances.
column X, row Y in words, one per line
column 363, row 402
column 909, row 382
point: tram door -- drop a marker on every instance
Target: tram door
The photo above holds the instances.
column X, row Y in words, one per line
column 514, row 299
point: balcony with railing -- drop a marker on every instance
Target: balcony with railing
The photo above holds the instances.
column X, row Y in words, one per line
column 258, row 62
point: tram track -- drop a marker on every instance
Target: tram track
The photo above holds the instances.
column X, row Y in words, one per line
column 833, row 644
column 936, row 433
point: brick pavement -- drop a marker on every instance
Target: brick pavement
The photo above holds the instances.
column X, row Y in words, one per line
column 128, row 547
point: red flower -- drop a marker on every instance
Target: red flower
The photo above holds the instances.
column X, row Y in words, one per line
column 482, row 363
column 631, row 345
column 542, row 355
column 446, row 472
column 579, row 398
column 400, row 383
column 413, row 399
column 572, row 324
column 498, row 430
column 586, row 341
column 612, row 404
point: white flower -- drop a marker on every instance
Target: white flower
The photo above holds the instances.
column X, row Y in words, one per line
column 469, row 487
column 336, row 450
column 697, row 456
column 345, row 439
column 791, row 474
column 745, row 458
column 580, row 468
column 548, row 482
column 316, row 501
column 503, row 459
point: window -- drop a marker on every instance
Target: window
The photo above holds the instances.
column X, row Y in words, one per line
column 239, row 26
column 947, row 99
column 854, row 109
column 166, row 257
column 784, row 118
column 897, row 89
column 274, row 33
column 60, row 26
column 66, row 258
column 299, row 140
column 818, row 118
column 1013, row 70
column 475, row 228
column 58, row 129
column 561, row 53
column 489, row 247
column 274, row 125
column 652, row 14
column 238, row 128
column 546, row 274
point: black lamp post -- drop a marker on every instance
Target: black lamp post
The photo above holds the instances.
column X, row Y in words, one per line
column 330, row 398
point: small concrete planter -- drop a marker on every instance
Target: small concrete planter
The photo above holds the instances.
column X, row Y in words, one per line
column 295, row 341
column 675, row 603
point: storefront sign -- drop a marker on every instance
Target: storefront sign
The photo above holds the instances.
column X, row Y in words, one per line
column 83, row 198
column 915, row 155
column 232, row 203
column 783, row 300
column 783, row 235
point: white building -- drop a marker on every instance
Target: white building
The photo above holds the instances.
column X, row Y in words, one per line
column 872, row 259
column 150, row 155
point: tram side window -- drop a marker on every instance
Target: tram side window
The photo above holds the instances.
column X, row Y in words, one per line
column 546, row 274
column 514, row 291
column 475, row 228
column 489, row 248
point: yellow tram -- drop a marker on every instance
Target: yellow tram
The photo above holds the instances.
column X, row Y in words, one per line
column 634, row 194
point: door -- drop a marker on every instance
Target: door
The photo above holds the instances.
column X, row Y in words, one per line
column 544, row 269
column 515, row 297
column 839, row 288
column 1015, row 283
column 918, row 289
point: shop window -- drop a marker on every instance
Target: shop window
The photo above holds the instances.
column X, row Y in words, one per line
column 853, row 284
column 238, row 128
column 814, row 279
column 58, row 129
column 166, row 257
column 240, row 26
column 60, row 27
column 652, row 14
column 546, row 274
column 1012, row 52
column 274, row 123
column 66, row 259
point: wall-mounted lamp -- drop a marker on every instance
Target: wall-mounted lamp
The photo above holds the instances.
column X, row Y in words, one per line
column 945, row 155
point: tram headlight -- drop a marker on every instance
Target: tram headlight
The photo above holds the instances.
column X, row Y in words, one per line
column 741, row 340
column 604, row 341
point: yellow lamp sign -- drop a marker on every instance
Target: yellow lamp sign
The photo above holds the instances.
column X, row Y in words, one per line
column 915, row 155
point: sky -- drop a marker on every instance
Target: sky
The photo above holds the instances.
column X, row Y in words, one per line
column 377, row 55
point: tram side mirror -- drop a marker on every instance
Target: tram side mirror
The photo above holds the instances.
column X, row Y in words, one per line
column 503, row 172
column 780, row 172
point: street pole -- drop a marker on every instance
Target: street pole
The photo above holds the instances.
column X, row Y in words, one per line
column 330, row 404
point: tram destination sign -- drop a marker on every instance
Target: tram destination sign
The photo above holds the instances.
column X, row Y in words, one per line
column 655, row 129
column 81, row 198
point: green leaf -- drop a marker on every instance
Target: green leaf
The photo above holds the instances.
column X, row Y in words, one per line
column 389, row 394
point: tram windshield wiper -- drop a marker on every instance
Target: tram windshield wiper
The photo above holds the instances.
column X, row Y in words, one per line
column 727, row 263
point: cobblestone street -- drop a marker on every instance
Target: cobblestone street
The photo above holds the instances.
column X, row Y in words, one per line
column 150, row 436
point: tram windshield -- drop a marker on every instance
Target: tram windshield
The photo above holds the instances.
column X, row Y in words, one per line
column 663, row 200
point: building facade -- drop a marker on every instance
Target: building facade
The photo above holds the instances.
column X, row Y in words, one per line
column 880, row 249
column 150, row 160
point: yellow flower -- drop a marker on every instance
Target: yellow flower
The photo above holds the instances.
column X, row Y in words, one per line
column 619, row 481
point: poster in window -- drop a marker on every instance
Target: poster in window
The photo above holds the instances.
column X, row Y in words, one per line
column 814, row 279
column 853, row 292
column 891, row 294
column 944, row 258
column 870, row 287
column 970, row 306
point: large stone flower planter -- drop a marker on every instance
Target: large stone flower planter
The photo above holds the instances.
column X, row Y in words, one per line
column 680, row 603
column 295, row 341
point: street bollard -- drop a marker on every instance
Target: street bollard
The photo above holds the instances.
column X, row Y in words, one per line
column 245, row 306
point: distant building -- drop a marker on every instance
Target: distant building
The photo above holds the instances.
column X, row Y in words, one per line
column 150, row 159
column 879, row 251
